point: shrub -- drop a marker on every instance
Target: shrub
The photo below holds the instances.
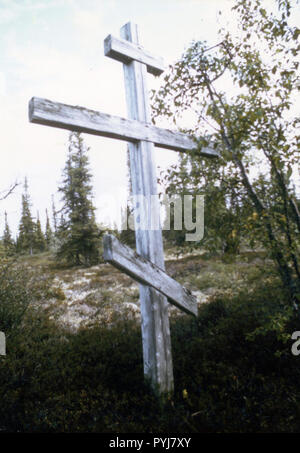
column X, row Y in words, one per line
column 233, row 370
column 15, row 295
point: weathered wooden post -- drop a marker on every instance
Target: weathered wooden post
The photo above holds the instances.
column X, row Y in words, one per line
column 158, row 367
column 147, row 265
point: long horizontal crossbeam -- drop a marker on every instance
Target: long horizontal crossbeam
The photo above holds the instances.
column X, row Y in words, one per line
column 49, row 113
column 125, row 51
column 142, row 270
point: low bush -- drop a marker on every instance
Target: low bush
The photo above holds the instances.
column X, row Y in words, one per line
column 233, row 368
column 15, row 295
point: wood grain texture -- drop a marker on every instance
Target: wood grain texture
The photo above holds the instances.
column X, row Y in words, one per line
column 142, row 270
column 49, row 113
column 158, row 365
column 2, row 343
column 125, row 51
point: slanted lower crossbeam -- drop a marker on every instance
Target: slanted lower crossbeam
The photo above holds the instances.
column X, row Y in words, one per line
column 144, row 271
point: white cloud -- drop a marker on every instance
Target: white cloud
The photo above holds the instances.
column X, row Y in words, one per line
column 87, row 21
column 2, row 84
column 11, row 10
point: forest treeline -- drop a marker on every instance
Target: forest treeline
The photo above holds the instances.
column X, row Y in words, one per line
column 74, row 235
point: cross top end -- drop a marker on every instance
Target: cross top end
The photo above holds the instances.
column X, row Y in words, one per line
column 128, row 49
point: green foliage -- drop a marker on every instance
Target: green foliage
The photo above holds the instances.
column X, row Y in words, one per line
column 16, row 293
column 243, row 377
column 8, row 243
column 234, row 371
column 78, row 232
column 49, row 236
column 40, row 243
column 242, row 100
column 26, row 237
column 31, row 239
column 225, row 216
column 54, row 215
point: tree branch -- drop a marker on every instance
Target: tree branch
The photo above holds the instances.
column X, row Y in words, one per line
column 9, row 191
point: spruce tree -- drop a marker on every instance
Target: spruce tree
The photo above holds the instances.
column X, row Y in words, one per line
column 2, row 251
column 77, row 232
column 48, row 233
column 39, row 238
column 7, row 240
column 54, row 215
column 25, row 242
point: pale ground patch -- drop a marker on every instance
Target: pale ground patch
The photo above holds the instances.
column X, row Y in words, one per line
column 87, row 296
column 84, row 296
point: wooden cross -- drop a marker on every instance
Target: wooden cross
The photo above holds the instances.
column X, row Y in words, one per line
column 147, row 265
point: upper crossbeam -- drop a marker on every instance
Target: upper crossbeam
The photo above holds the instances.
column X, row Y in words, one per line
column 126, row 51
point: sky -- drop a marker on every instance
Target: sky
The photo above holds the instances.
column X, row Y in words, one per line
column 54, row 49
